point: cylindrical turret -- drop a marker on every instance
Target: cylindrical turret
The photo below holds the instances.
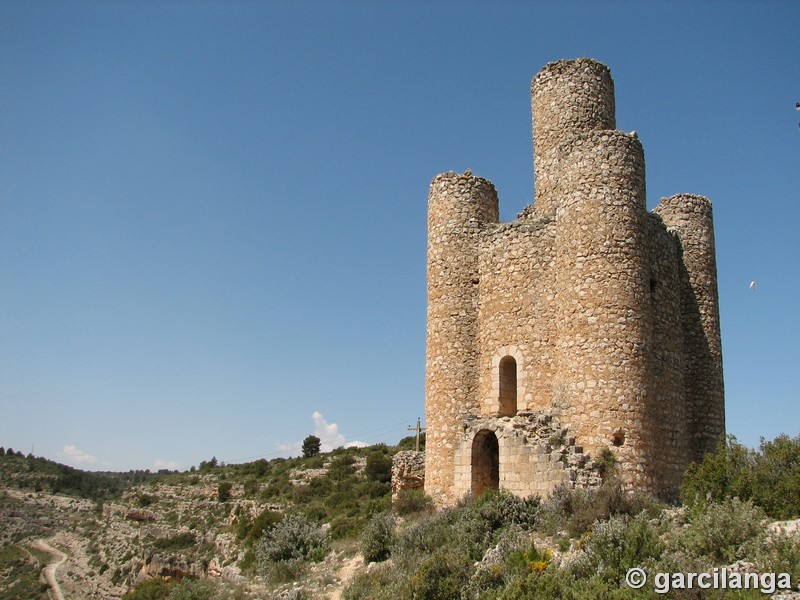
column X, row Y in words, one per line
column 568, row 97
column 458, row 208
column 603, row 298
column 690, row 217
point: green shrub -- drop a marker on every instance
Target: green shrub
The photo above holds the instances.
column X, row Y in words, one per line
column 575, row 510
column 145, row 500
column 344, row 527
column 224, row 491
column 442, row 575
column 778, row 553
column 410, row 443
column 423, row 536
column 619, row 544
column 377, row 538
column 770, row 476
column 265, row 521
column 412, row 501
column 606, row 462
column 151, row 589
column 500, row 508
column 725, row 473
column 193, row 590
column 721, row 531
column 176, row 542
column 378, row 584
column 378, row 467
column 529, row 560
column 342, row 468
column 283, row 549
column 481, row 519
column 776, row 477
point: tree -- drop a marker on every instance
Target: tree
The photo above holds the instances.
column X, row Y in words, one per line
column 224, row 491
column 208, row 465
column 311, row 446
column 378, row 467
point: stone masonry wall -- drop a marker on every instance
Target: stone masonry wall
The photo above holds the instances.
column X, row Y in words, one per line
column 459, row 207
column 690, row 218
column 408, row 472
column 517, row 318
column 587, row 319
column 536, row 455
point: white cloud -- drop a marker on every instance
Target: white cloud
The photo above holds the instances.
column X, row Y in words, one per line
column 328, row 433
column 166, row 464
column 77, row 455
column 329, row 436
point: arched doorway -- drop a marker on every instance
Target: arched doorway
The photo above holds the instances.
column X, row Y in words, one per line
column 485, row 462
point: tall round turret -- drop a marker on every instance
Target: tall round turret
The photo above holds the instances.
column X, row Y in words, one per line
column 458, row 208
column 603, row 298
column 568, row 97
column 690, row 217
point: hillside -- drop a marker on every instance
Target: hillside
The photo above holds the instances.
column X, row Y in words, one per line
column 321, row 527
column 118, row 529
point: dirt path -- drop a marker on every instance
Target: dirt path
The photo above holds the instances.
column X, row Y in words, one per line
column 50, row 569
column 346, row 573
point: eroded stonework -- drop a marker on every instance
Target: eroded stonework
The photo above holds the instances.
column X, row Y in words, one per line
column 587, row 314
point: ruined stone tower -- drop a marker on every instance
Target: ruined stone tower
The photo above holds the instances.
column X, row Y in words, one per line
column 588, row 323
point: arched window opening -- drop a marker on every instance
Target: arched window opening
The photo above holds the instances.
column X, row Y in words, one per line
column 508, row 387
column 485, row 462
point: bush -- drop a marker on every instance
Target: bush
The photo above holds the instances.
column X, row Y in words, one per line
column 778, row 553
column 442, row 575
column 721, row 532
column 410, row 443
column 619, row 544
column 724, row 473
column 770, row 477
column 423, row 537
column 193, row 590
column 145, row 500
column 379, row 467
column 377, row 538
column 412, row 501
column 251, row 488
column 224, row 491
column 283, row 549
column 176, row 542
column 776, row 480
column 378, row 584
column 606, row 462
column 575, row 510
column 499, row 508
column 265, row 521
column 529, row 560
column 151, row 589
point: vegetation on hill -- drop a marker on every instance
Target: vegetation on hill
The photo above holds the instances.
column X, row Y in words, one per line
column 580, row 544
column 768, row 476
column 43, row 475
column 282, row 521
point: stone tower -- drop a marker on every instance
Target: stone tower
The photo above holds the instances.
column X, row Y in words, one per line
column 587, row 324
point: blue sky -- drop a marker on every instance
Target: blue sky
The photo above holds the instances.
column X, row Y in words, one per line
column 213, row 215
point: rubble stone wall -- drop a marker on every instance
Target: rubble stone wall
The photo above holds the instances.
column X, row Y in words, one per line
column 587, row 311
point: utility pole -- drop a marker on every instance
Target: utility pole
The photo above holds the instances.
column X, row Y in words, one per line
column 418, row 429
